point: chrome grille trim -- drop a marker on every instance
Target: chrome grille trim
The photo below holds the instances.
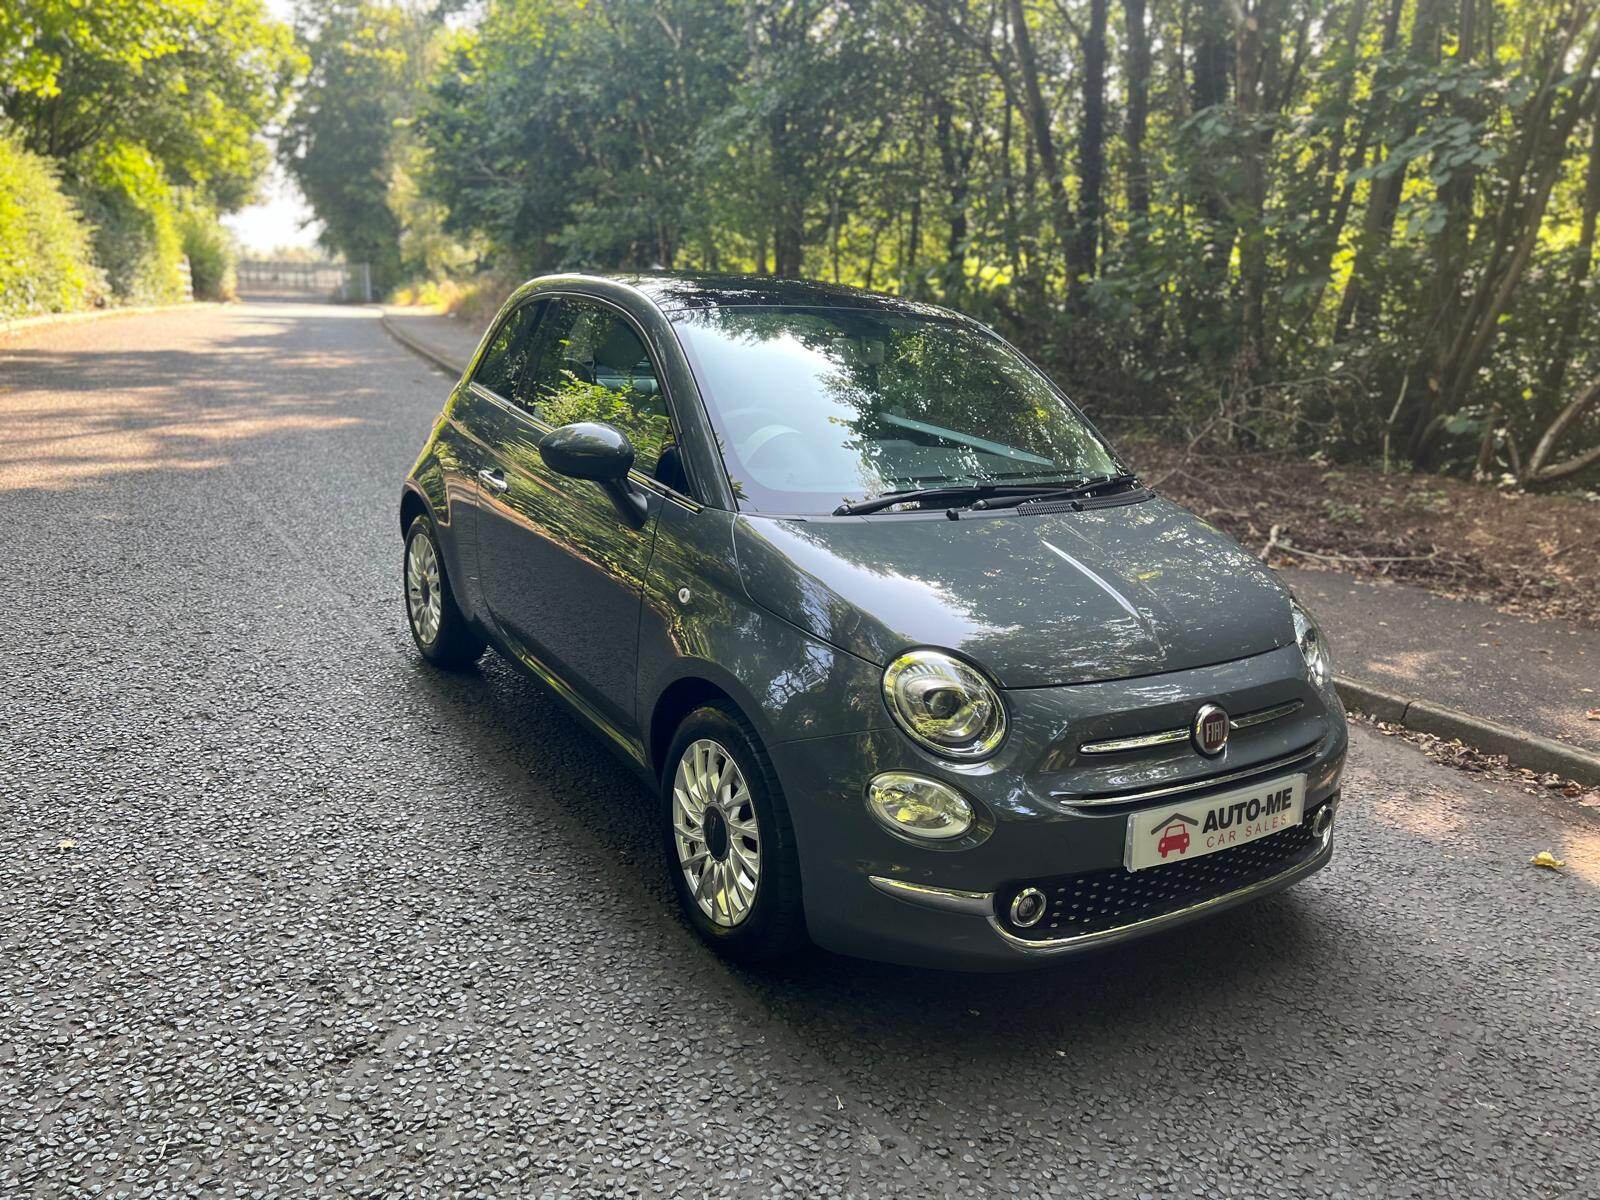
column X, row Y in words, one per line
column 1077, row 941
column 1112, row 745
column 1145, row 740
column 1189, row 785
column 1262, row 716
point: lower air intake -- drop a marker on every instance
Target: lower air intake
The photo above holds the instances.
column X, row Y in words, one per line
column 1100, row 900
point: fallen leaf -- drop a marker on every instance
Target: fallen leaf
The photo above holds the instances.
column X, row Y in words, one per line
column 66, row 843
column 1547, row 860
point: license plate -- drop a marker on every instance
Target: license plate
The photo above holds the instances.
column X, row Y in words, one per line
column 1195, row 828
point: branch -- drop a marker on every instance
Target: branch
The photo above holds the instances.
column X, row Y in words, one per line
column 1567, row 415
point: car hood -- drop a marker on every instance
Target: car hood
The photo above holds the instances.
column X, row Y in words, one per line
column 1036, row 600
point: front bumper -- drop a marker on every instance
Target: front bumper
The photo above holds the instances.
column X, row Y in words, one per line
column 1161, row 911
column 1058, row 823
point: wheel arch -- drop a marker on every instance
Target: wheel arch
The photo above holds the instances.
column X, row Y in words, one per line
column 413, row 504
column 694, row 689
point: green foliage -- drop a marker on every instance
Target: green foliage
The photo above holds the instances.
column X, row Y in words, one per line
column 209, row 249
column 345, row 143
column 568, row 134
column 136, row 103
column 45, row 260
column 190, row 82
column 132, row 211
column 1326, row 226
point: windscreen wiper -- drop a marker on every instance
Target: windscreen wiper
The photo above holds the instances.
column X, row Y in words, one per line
column 1066, row 491
column 967, row 492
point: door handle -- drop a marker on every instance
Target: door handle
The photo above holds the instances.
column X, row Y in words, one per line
column 492, row 479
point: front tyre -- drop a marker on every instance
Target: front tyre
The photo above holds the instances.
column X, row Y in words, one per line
column 437, row 626
column 730, row 845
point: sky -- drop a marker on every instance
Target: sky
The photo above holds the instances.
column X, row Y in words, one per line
column 283, row 218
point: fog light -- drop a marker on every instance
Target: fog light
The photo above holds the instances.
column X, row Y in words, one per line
column 919, row 808
column 1324, row 818
column 1028, row 908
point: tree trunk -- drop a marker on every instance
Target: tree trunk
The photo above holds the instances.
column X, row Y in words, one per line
column 954, row 166
column 1008, row 190
column 1334, row 209
column 1259, row 47
column 1544, row 153
column 1449, row 247
column 1213, row 61
column 1536, row 472
column 1084, row 255
column 1037, row 115
column 1359, row 302
column 1582, row 263
column 1136, row 118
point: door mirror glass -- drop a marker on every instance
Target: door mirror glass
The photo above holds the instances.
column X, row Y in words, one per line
column 588, row 450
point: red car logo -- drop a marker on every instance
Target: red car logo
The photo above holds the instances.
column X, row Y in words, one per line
column 1175, row 836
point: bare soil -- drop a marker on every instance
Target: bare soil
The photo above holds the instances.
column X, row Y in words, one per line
column 1533, row 555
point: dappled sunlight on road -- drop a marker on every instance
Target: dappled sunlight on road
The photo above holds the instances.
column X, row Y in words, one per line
column 85, row 401
column 1411, row 667
column 1468, row 819
column 1580, row 850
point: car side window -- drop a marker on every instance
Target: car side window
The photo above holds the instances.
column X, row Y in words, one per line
column 505, row 361
column 590, row 365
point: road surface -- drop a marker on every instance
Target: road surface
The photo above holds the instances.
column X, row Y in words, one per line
column 282, row 910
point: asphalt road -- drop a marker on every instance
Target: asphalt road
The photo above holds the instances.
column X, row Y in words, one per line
column 282, row 910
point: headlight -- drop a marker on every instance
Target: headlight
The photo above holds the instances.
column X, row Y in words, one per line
column 917, row 807
column 944, row 704
column 1312, row 648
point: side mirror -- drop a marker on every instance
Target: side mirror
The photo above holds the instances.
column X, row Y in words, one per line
column 599, row 453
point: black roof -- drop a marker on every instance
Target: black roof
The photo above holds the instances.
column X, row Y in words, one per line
column 675, row 291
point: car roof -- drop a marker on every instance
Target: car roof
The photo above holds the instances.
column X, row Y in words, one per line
column 679, row 291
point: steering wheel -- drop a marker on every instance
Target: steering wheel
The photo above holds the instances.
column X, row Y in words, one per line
column 741, row 422
column 764, row 450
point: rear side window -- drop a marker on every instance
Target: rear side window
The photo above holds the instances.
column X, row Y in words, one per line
column 591, row 366
column 505, row 361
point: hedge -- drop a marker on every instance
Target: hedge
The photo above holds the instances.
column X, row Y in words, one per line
column 46, row 257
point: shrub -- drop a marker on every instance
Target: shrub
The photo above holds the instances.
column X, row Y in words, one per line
column 127, row 200
column 210, row 251
column 45, row 258
column 475, row 300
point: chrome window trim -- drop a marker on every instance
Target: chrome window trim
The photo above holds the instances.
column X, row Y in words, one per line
column 1190, row 785
column 647, row 482
column 1165, row 736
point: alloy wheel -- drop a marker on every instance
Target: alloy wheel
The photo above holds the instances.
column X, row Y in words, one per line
column 424, row 601
column 715, row 832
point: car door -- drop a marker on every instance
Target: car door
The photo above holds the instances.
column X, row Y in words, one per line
column 473, row 418
column 563, row 570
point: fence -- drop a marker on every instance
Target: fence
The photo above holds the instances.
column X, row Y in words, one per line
column 344, row 283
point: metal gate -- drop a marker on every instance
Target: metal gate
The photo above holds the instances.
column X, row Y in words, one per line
column 344, row 283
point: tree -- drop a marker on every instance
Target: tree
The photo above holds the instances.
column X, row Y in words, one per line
column 1312, row 224
column 190, row 82
column 340, row 141
column 570, row 135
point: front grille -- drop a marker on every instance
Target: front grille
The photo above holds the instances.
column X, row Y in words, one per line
column 1100, row 900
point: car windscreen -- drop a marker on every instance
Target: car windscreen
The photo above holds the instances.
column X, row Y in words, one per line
column 814, row 406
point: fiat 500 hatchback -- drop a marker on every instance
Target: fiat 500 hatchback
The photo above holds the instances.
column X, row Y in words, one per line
column 919, row 668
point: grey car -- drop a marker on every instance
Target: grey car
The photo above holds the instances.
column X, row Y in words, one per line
column 916, row 666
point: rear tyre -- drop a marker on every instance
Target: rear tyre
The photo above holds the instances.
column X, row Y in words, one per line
column 729, row 842
column 437, row 626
